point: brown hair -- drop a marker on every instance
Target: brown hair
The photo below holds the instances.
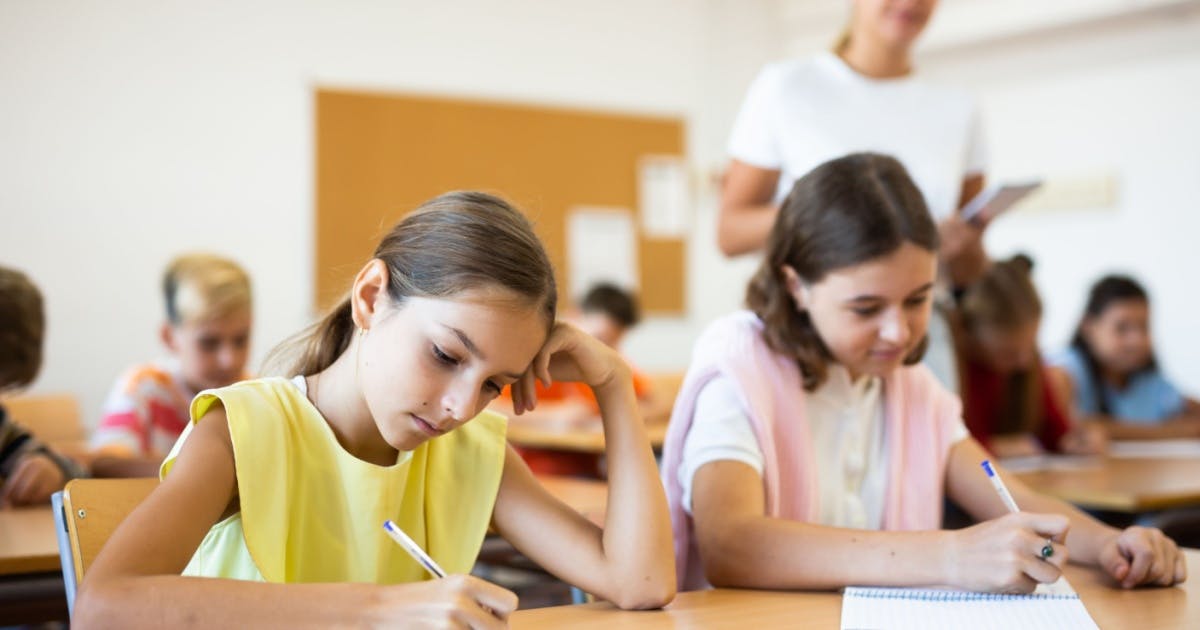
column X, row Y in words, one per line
column 844, row 212
column 612, row 301
column 22, row 327
column 1005, row 299
column 451, row 243
column 204, row 286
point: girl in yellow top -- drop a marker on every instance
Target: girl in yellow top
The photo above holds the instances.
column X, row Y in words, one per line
column 285, row 483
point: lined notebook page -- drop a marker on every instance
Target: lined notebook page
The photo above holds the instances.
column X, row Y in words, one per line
column 866, row 608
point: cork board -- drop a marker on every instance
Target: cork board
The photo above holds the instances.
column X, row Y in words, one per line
column 379, row 156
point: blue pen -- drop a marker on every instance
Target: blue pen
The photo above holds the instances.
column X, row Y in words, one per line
column 413, row 549
column 1006, row 497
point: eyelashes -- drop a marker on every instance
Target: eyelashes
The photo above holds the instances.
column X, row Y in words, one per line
column 452, row 362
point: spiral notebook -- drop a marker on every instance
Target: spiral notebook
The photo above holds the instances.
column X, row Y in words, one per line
column 866, row 608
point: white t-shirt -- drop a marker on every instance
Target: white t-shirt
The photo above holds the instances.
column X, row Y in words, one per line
column 845, row 420
column 801, row 113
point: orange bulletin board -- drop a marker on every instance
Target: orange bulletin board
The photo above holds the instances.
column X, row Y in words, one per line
column 380, row 155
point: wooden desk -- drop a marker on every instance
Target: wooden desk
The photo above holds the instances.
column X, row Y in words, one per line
column 583, row 439
column 1141, row 609
column 1129, row 485
column 27, row 541
column 31, row 582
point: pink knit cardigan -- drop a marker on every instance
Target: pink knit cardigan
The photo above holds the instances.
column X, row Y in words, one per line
column 920, row 422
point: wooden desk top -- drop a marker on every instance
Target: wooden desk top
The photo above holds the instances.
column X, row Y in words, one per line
column 1112, row 608
column 1122, row 484
column 584, row 439
column 27, row 541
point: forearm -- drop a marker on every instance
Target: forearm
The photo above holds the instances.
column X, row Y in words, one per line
column 182, row 602
column 745, row 229
column 637, row 528
column 764, row 552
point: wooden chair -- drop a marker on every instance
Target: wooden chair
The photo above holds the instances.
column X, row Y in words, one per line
column 53, row 418
column 91, row 509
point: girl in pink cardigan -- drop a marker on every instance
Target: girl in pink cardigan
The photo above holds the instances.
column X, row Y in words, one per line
column 809, row 450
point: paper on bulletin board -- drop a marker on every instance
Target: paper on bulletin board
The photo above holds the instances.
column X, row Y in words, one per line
column 601, row 247
column 663, row 196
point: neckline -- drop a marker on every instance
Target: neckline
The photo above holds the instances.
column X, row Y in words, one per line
column 844, row 70
column 402, row 458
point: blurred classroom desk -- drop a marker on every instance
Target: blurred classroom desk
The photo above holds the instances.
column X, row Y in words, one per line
column 582, row 439
column 588, row 437
column 27, row 541
column 1141, row 609
column 1131, row 485
column 31, row 582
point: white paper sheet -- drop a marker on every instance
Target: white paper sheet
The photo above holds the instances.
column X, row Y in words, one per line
column 601, row 247
column 663, row 196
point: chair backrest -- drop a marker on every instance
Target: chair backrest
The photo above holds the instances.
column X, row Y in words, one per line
column 64, row 549
column 53, row 418
column 93, row 508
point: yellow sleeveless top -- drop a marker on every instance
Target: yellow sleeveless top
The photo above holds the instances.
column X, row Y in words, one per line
column 311, row 512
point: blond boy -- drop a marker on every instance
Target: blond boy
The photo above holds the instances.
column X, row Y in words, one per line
column 207, row 336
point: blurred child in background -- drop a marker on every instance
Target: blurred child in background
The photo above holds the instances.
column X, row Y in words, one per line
column 1008, row 403
column 1109, row 373
column 30, row 470
column 207, row 335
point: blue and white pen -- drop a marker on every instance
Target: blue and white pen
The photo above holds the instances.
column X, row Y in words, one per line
column 1006, row 498
column 413, row 549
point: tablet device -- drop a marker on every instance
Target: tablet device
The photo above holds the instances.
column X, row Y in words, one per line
column 994, row 200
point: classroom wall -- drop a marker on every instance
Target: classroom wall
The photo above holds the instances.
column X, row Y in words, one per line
column 134, row 130
column 1106, row 100
column 130, row 130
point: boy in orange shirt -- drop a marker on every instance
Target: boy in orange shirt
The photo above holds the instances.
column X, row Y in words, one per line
column 607, row 313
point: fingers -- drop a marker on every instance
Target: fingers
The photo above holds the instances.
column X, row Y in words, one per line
column 481, row 605
column 1141, row 561
column 1038, row 566
column 528, row 392
column 1039, row 570
column 1112, row 561
column 22, row 484
column 1045, row 525
column 1153, row 558
column 501, row 601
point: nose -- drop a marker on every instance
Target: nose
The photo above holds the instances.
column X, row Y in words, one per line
column 894, row 329
column 459, row 401
column 228, row 357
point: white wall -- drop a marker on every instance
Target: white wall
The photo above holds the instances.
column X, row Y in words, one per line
column 132, row 130
column 129, row 130
column 1115, row 98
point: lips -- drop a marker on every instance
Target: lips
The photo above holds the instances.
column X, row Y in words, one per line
column 887, row 355
column 426, row 427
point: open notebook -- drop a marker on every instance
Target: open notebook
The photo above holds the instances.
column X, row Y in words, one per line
column 870, row 608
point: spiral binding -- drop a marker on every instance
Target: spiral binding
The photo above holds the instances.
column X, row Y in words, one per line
column 951, row 596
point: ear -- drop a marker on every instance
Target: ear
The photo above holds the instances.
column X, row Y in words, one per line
column 166, row 333
column 795, row 287
column 368, row 295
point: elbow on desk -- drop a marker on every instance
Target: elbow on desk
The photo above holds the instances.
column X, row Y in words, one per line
column 724, row 556
column 646, row 597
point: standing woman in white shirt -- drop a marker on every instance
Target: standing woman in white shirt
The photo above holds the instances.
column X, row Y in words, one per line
column 861, row 96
